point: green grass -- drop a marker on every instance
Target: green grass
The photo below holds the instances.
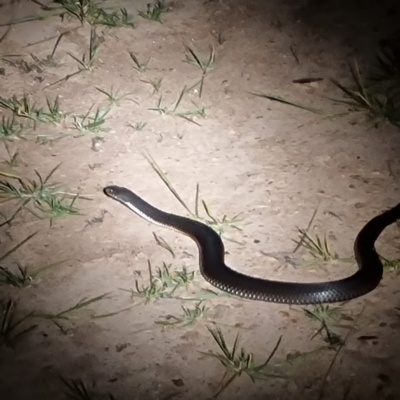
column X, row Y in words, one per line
column 138, row 126
column 88, row 123
column 24, row 107
column 114, row 19
column 238, row 362
column 154, row 11
column 114, row 97
column 174, row 279
column 162, row 284
column 83, row 10
column 154, row 291
column 10, row 129
column 204, row 63
column 377, row 105
column 316, row 247
column 391, row 265
column 155, row 83
column 189, row 317
column 377, row 97
column 44, row 196
column 187, row 115
column 11, row 324
column 25, row 276
column 14, row 159
column 327, row 316
column 87, row 11
column 319, row 249
column 86, row 62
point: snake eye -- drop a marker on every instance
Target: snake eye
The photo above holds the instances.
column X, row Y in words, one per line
column 108, row 191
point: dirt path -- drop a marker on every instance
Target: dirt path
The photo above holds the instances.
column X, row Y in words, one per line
column 271, row 163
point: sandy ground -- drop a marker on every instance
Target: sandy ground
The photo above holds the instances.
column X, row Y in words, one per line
column 273, row 164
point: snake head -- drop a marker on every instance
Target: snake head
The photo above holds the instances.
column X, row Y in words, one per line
column 118, row 193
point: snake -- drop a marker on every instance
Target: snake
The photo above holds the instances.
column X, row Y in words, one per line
column 218, row 274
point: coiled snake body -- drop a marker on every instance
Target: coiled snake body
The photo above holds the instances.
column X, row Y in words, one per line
column 214, row 270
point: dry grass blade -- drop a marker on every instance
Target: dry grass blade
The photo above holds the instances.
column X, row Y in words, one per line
column 321, row 395
column 5, row 34
column 15, row 248
column 306, row 230
column 66, row 314
column 139, row 66
column 166, row 181
column 290, row 103
column 162, row 243
column 178, row 102
column 219, row 225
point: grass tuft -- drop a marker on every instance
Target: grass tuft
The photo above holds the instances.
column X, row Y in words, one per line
column 25, row 108
column 378, row 106
column 139, row 65
column 189, row 317
column 237, row 363
column 10, row 332
column 44, row 196
column 91, row 123
column 154, row 11
column 317, row 248
column 187, row 115
column 206, row 64
column 24, row 277
column 114, row 97
column 327, row 316
column 10, row 129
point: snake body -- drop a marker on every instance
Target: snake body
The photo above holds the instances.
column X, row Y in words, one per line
column 218, row 274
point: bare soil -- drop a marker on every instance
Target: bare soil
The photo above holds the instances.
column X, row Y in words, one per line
column 271, row 163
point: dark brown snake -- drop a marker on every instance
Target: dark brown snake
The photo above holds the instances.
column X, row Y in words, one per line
column 214, row 270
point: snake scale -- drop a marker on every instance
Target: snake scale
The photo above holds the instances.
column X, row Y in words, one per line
column 218, row 274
